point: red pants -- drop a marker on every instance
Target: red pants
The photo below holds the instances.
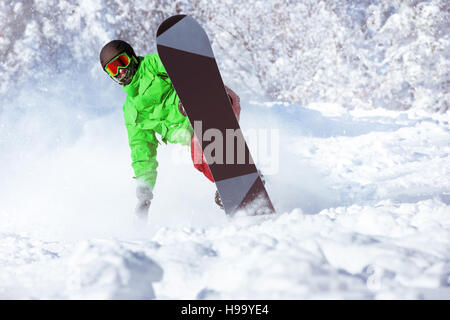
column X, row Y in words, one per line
column 196, row 151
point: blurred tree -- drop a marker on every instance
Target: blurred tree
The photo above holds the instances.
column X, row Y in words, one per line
column 361, row 54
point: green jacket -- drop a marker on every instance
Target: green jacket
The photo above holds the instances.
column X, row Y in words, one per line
column 151, row 107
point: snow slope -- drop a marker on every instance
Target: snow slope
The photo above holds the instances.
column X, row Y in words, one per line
column 363, row 201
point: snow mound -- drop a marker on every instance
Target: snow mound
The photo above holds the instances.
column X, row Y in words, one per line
column 356, row 252
column 107, row 270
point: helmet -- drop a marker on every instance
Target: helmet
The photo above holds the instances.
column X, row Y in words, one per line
column 113, row 49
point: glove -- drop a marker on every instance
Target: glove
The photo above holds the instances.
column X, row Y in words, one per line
column 180, row 135
column 181, row 109
column 144, row 195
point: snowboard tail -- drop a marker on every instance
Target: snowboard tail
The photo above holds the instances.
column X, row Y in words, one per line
column 187, row 56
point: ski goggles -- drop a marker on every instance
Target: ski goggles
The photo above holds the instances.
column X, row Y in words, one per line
column 122, row 61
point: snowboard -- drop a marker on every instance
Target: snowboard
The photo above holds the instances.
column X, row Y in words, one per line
column 187, row 56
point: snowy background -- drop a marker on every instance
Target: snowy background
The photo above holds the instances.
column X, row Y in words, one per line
column 359, row 91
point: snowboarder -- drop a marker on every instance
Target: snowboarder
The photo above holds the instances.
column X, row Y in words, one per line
column 152, row 106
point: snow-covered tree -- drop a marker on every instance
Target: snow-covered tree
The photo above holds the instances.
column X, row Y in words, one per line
column 371, row 53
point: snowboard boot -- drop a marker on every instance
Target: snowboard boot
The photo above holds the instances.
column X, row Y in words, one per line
column 218, row 200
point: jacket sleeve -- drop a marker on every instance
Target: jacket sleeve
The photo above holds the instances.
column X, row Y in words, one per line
column 143, row 144
column 235, row 101
column 156, row 66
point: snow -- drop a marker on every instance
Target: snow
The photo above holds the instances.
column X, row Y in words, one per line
column 360, row 178
column 363, row 213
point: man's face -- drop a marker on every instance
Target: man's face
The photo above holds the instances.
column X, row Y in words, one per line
column 120, row 69
column 121, row 75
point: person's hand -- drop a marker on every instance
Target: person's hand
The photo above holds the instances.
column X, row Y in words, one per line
column 181, row 135
column 181, row 109
column 144, row 195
